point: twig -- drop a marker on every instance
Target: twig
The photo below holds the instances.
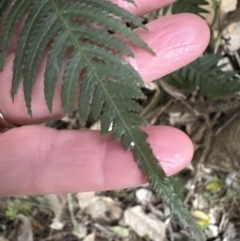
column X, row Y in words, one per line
column 207, row 148
column 226, row 124
column 154, row 101
column 73, row 219
column 177, row 94
column 237, row 58
column 103, row 229
column 156, row 113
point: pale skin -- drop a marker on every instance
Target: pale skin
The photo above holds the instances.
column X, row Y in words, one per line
column 39, row 160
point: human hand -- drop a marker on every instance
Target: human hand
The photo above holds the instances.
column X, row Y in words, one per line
column 39, row 160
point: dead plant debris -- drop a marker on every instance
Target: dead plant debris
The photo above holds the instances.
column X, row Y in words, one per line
column 210, row 185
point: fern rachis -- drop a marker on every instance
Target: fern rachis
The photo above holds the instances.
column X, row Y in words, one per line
column 109, row 85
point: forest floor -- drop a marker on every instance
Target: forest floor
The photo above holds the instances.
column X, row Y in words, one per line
column 210, row 184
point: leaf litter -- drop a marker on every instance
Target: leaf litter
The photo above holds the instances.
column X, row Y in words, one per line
column 136, row 214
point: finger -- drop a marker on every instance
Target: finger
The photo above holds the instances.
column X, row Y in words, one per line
column 40, row 160
column 176, row 40
column 142, row 6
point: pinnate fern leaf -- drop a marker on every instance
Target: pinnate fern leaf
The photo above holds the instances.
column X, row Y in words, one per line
column 4, row 4
column 187, row 6
column 208, row 75
column 190, row 6
column 74, row 36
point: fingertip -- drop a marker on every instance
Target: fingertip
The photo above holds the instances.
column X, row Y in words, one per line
column 177, row 40
column 72, row 161
column 172, row 147
column 142, row 7
column 199, row 29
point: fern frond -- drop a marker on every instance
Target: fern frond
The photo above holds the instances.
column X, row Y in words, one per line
column 208, row 75
column 108, row 7
column 70, row 85
column 4, row 4
column 189, row 6
column 15, row 14
column 109, row 85
column 48, row 25
column 35, row 15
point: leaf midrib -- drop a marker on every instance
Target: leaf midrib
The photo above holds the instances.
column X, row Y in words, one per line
column 157, row 173
column 68, row 28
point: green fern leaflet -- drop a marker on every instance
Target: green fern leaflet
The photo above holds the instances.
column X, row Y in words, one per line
column 190, row 6
column 187, row 6
column 208, row 75
column 77, row 32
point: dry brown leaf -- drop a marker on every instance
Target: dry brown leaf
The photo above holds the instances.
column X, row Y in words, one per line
column 228, row 5
column 144, row 195
column 57, row 204
column 104, row 210
column 25, row 232
column 213, row 231
column 230, row 232
column 85, row 198
column 90, row 237
column 225, row 147
column 200, row 202
column 145, row 224
column 232, row 35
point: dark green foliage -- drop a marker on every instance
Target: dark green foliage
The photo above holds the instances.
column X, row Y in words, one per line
column 106, row 86
column 208, row 75
column 189, row 6
column 17, row 12
column 4, row 4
